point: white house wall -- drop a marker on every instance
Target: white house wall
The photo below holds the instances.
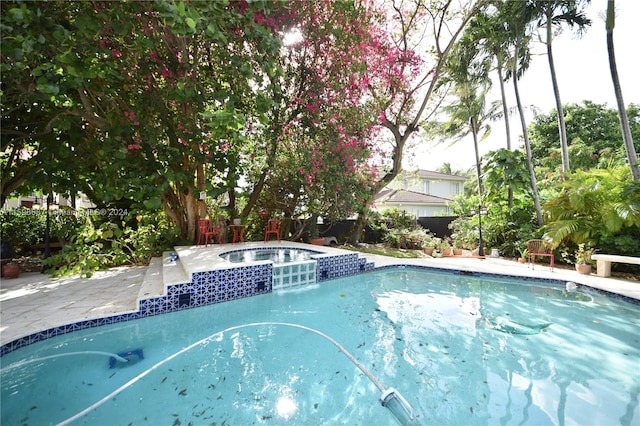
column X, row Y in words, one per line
column 415, row 210
column 39, row 202
column 439, row 188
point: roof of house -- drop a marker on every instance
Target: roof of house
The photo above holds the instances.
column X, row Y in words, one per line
column 428, row 174
column 396, row 196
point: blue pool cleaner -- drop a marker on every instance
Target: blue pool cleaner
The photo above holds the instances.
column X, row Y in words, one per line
column 126, row 356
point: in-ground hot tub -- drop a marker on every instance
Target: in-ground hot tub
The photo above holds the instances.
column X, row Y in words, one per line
column 276, row 255
column 291, row 266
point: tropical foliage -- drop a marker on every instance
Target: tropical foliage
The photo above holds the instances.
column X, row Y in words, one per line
column 600, row 207
column 595, row 136
column 98, row 243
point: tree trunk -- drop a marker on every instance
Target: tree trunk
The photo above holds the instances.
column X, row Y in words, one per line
column 505, row 109
column 527, row 145
column 474, row 132
column 202, row 204
column 358, row 226
column 507, row 125
column 401, row 139
column 182, row 207
column 622, row 112
column 562, row 128
column 190, row 204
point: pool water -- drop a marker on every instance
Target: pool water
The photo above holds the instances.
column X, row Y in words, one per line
column 285, row 255
column 460, row 349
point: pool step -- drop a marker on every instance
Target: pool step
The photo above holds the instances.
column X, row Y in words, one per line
column 173, row 270
column 152, row 284
column 162, row 271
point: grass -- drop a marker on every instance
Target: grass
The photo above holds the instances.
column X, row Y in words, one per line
column 385, row 251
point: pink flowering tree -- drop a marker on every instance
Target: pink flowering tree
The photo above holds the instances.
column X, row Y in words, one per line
column 316, row 154
column 413, row 42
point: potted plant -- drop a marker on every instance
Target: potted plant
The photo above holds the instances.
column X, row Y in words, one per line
column 583, row 259
column 445, row 248
column 10, row 270
column 314, row 237
column 429, row 244
column 524, row 253
column 6, row 255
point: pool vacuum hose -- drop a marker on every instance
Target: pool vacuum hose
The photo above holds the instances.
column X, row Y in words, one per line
column 390, row 398
column 113, row 356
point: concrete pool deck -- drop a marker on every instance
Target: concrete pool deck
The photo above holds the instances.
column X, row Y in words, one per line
column 35, row 301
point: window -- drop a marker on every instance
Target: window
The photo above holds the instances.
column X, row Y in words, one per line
column 425, row 187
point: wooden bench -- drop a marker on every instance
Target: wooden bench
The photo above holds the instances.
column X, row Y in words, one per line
column 604, row 262
column 539, row 248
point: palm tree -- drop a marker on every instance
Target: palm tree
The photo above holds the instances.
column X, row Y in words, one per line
column 488, row 33
column 445, row 168
column 624, row 120
column 519, row 15
column 527, row 146
column 554, row 14
column 468, row 75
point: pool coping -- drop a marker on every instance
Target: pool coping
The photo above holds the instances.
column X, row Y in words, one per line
column 373, row 262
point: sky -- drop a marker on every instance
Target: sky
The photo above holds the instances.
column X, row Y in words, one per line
column 582, row 69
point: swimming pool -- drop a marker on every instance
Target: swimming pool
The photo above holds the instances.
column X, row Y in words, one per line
column 460, row 349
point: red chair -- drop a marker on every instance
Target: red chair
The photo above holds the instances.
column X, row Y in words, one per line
column 273, row 227
column 540, row 248
column 206, row 232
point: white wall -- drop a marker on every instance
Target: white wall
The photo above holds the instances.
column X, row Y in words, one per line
column 416, row 210
column 81, row 201
column 439, row 188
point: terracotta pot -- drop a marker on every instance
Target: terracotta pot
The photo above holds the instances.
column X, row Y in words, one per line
column 317, row 241
column 521, row 259
column 457, row 252
column 428, row 250
column 583, row 269
column 11, row 270
column 447, row 252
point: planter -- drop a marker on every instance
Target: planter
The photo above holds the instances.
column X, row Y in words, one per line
column 584, row 269
column 522, row 259
column 317, row 241
column 11, row 270
column 447, row 252
column 428, row 250
column 457, row 252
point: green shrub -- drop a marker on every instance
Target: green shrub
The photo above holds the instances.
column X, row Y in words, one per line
column 103, row 242
column 24, row 228
column 407, row 238
column 599, row 207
